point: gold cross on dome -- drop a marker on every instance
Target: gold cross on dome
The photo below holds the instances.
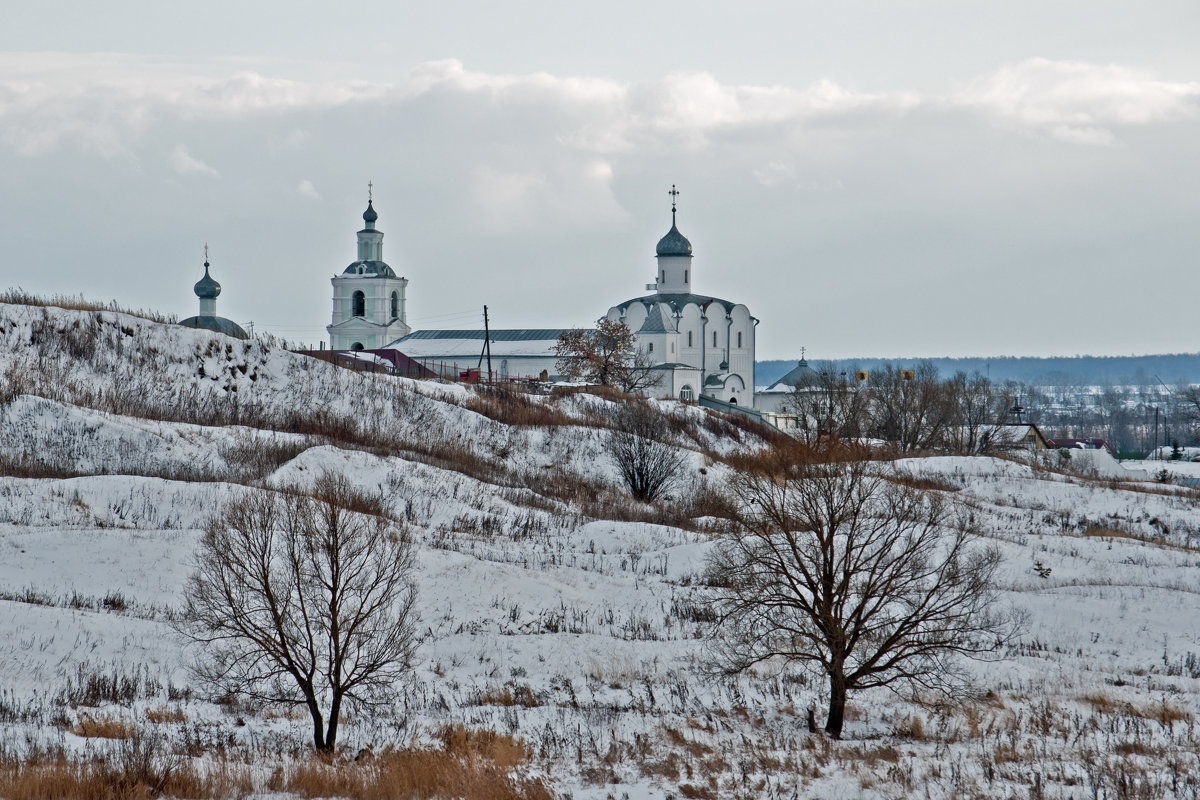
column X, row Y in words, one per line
column 206, row 252
column 674, row 193
column 370, row 191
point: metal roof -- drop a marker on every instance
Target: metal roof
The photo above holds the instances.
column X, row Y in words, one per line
column 677, row 301
column 376, row 269
column 510, row 335
column 218, row 324
column 659, row 320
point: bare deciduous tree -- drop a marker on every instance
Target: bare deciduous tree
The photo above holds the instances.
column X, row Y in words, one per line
column 606, row 355
column 910, row 412
column 304, row 599
column 863, row 579
column 829, row 405
column 648, row 465
column 978, row 411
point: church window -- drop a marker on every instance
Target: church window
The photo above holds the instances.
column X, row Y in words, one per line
column 739, row 338
column 356, row 346
column 650, row 348
column 396, row 306
column 685, row 276
column 686, row 394
column 358, row 306
column 690, row 339
column 672, row 348
column 714, row 338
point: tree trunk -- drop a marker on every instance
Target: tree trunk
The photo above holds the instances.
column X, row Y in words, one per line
column 314, row 711
column 335, row 709
column 837, row 704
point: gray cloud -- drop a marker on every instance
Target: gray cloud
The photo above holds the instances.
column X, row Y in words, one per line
column 850, row 220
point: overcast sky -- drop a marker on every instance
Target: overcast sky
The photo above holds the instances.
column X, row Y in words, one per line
column 871, row 179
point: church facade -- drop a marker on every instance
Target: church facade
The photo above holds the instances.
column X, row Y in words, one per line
column 698, row 344
column 368, row 296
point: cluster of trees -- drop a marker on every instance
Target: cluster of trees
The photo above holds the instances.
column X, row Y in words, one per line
column 918, row 409
column 912, row 409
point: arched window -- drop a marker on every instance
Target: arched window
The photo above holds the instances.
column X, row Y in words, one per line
column 357, row 345
column 396, row 306
column 686, row 394
column 358, row 305
column 739, row 338
column 650, row 347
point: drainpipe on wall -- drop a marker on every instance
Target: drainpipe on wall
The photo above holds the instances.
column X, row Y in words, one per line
column 753, row 336
column 703, row 350
column 728, row 345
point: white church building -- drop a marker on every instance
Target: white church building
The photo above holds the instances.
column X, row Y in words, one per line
column 700, row 345
column 368, row 296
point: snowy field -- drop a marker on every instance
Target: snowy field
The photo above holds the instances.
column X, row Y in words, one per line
column 576, row 626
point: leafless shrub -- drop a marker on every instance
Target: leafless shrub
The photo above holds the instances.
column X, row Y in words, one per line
column 648, row 465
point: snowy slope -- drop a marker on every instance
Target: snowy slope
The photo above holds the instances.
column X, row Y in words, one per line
column 549, row 617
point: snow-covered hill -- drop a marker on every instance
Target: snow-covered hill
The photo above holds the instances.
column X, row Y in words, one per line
column 554, row 609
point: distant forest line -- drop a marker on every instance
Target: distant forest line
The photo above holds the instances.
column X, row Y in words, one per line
column 1055, row 371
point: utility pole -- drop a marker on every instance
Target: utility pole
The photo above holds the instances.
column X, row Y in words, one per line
column 487, row 345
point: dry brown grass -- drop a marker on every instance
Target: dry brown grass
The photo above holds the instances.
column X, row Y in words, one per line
column 509, row 696
column 498, row 748
column 110, row 779
column 471, row 774
column 512, row 407
column 473, row 765
column 1107, row 533
column 911, row 727
column 164, row 714
column 1161, row 712
column 924, row 483
column 21, row 297
column 104, row 728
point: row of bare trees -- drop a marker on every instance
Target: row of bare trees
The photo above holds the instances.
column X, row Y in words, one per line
column 911, row 409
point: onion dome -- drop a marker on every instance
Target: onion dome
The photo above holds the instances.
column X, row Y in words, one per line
column 369, row 216
column 206, row 288
column 673, row 244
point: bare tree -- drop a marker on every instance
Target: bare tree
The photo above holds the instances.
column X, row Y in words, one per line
column 606, row 355
column 864, row 579
column 648, row 465
column 911, row 411
column 304, row 599
column 978, row 409
column 829, row 405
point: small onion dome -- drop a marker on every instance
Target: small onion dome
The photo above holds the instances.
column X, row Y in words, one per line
column 673, row 244
column 206, row 288
column 369, row 215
